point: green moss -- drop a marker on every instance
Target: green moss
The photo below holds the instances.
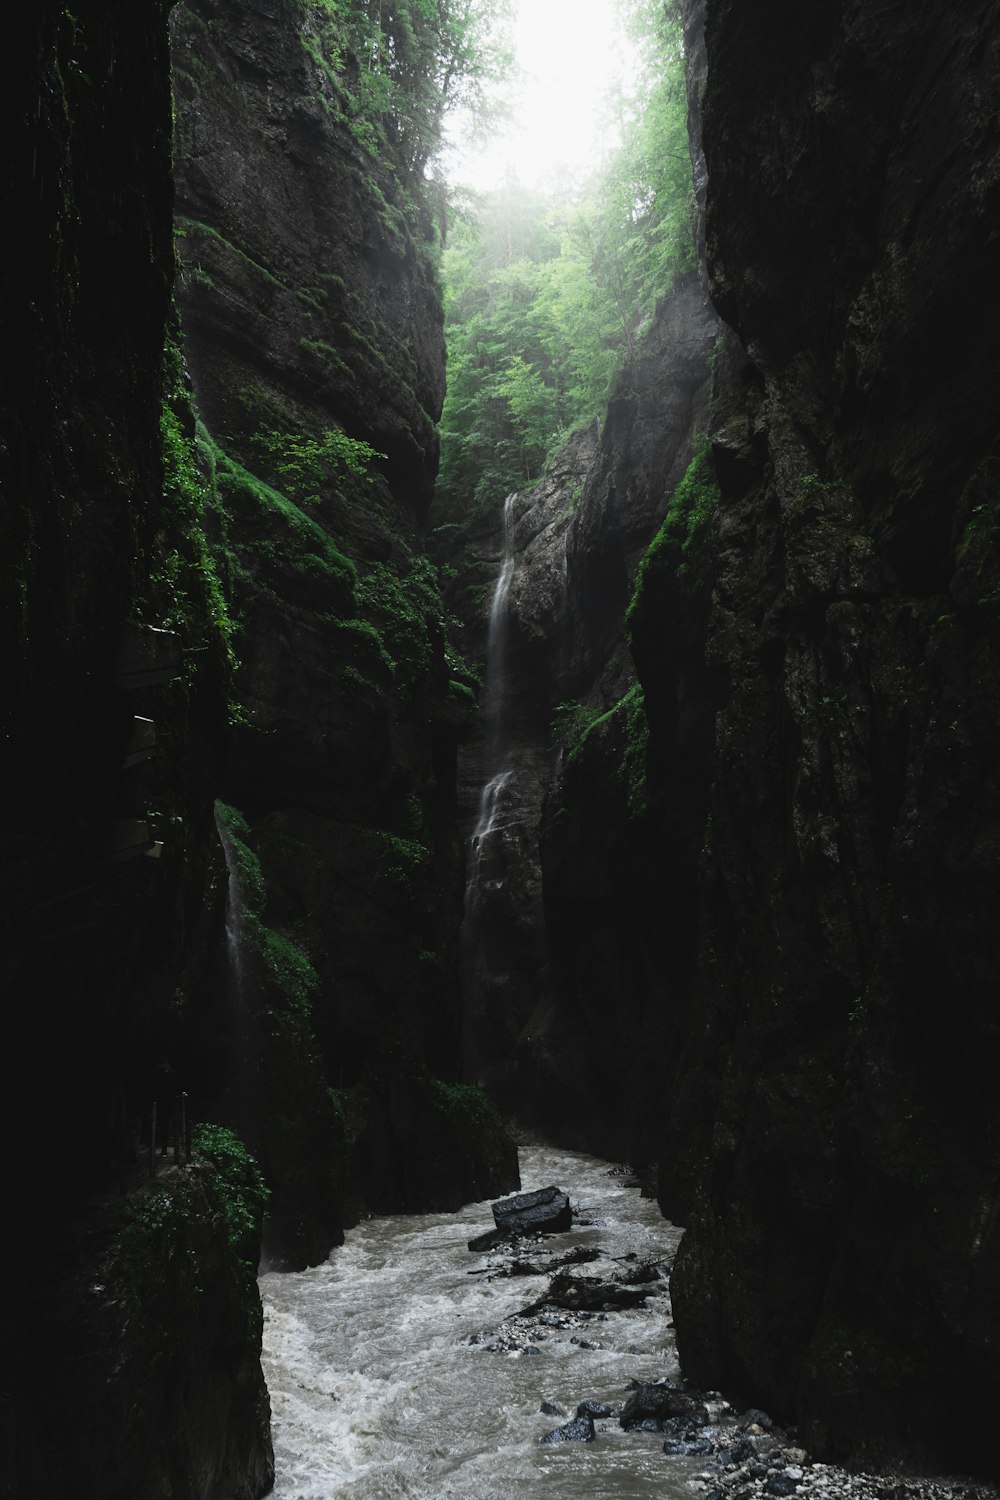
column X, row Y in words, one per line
column 978, row 549
column 583, row 725
column 191, row 229
column 406, row 606
column 240, row 1184
column 287, row 964
column 632, row 771
column 248, row 870
column 358, row 680
column 327, row 355
column 366, row 639
column 313, row 297
column 818, row 494
column 670, row 553
column 185, row 593
column 276, row 530
column 571, row 720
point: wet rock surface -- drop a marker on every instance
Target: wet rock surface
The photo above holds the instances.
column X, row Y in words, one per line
column 722, row 1450
column 546, row 1211
column 777, row 863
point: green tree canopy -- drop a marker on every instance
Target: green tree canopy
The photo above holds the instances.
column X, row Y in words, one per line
column 545, row 296
column 403, row 65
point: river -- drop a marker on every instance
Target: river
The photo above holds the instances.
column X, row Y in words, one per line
column 378, row 1391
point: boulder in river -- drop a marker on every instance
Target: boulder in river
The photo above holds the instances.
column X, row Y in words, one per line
column 545, row 1211
column 650, row 1406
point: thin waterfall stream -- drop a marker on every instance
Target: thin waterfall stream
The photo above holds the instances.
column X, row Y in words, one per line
column 491, row 799
column 234, row 918
column 390, row 1375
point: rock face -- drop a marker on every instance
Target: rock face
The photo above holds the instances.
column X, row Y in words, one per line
column 104, row 953
column 537, row 994
column 312, row 317
column 770, row 876
column 843, row 1257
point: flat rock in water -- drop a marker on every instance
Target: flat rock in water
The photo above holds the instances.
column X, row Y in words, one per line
column 545, row 1211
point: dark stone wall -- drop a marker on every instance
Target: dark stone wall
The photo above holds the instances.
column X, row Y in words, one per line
column 103, row 961
column 771, row 874
column 564, row 925
column 833, row 1106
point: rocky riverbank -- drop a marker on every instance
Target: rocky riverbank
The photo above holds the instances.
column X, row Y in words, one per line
column 715, row 1448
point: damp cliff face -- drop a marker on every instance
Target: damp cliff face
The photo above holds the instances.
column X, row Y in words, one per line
column 559, row 942
column 843, row 1259
column 114, row 727
column 313, row 334
column 770, row 868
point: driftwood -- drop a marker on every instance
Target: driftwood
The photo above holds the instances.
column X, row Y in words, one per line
column 587, row 1294
column 528, row 1268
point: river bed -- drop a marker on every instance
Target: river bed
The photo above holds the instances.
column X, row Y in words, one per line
column 377, row 1391
column 399, row 1368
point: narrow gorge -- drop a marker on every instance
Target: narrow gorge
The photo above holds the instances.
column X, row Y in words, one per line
column 610, row 763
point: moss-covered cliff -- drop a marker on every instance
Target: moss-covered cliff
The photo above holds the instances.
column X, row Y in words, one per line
column 308, row 244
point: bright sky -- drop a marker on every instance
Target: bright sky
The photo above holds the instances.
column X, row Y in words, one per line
column 569, row 52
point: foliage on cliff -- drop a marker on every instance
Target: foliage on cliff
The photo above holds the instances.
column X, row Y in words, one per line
column 545, row 295
column 399, row 70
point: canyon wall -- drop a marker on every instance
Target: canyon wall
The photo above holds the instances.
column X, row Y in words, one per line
column 843, row 1256
column 561, row 942
column 117, row 1381
column 313, row 337
column 283, row 959
column 770, row 873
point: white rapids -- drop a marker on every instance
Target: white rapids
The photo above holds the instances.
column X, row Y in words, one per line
column 377, row 1392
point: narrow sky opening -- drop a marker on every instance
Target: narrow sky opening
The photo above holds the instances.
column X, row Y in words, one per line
column 570, row 54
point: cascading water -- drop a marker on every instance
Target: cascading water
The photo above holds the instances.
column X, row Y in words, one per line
column 495, row 695
column 237, row 987
column 492, row 799
column 234, row 920
column 390, row 1374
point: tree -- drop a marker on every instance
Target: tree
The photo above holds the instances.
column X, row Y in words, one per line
column 403, row 65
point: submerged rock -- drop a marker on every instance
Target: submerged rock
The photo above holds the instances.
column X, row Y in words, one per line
column 580, row 1430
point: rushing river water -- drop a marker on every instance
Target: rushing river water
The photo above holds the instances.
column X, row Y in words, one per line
column 377, row 1391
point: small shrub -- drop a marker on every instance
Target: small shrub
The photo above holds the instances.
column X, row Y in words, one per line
column 242, row 1190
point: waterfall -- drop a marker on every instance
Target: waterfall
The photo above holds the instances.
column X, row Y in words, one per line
column 491, row 799
column 236, row 1012
column 496, row 646
column 234, row 917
